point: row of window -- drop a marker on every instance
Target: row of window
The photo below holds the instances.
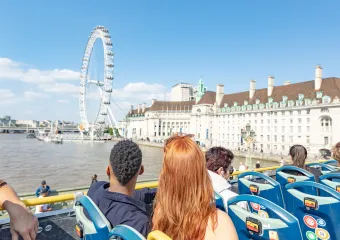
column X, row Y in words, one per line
column 275, row 121
column 282, row 113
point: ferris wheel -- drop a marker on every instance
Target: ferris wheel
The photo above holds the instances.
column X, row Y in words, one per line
column 105, row 86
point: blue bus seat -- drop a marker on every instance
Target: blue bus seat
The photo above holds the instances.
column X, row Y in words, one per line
column 124, row 232
column 331, row 180
column 324, row 168
column 268, row 188
column 331, row 162
column 271, row 221
column 219, row 202
column 284, row 178
column 318, row 215
column 97, row 227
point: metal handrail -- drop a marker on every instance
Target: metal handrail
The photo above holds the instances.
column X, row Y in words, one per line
column 140, row 185
column 70, row 196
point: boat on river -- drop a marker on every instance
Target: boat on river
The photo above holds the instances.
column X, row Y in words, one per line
column 42, row 135
column 30, row 135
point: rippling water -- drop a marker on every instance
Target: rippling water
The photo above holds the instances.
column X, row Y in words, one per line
column 25, row 162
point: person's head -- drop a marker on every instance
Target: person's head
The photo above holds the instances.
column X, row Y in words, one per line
column 219, row 161
column 241, row 163
column 336, row 152
column 185, row 196
column 43, row 183
column 94, row 177
column 44, row 192
column 125, row 163
column 298, row 154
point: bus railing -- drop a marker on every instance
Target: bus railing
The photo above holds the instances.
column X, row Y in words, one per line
column 140, row 185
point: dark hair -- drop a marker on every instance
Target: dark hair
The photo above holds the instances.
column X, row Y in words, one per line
column 299, row 155
column 217, row 157
column 125, row 160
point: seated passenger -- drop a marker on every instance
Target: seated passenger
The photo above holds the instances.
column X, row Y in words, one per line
column 184, row 207
column 43, row 185
column 219, row 163
column 298, row 154
column 242, row 167
column 43, row 207
column 118, row 199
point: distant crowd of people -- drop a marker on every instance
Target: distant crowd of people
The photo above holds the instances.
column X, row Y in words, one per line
column 181, row 206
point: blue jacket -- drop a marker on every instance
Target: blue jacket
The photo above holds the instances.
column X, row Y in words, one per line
column 37, row 193
column 119, row 208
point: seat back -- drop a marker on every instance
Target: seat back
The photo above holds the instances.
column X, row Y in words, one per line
column 97, row 227
column 318, row 215
column 271, row 222
column 331, row 180
column 324, row 168
column 332, row 162
column 124, row 232
column 266, row 187
column 219, row 202
column 286, row 174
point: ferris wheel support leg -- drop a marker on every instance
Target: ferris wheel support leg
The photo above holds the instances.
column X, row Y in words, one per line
column 111, row 116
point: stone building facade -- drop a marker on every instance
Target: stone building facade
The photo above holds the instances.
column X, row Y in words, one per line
column 302, row 113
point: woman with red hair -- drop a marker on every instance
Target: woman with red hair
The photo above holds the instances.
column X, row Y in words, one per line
column 184, row 207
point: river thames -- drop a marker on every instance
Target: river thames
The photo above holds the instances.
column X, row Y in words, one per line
column 24, row 162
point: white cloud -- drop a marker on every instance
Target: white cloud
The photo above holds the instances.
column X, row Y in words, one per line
column 7, row 96
column 141, row 92
column 134, row 94
column 63, row 101
column 60, row 88
column 142, row 87
column 11, row 70
column 31, row 95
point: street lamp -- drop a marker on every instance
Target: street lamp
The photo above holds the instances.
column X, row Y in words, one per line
column 248, row 136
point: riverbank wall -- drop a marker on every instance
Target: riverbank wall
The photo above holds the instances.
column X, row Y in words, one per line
column 253, row 155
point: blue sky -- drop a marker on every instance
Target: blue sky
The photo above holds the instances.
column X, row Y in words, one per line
column 158, row 44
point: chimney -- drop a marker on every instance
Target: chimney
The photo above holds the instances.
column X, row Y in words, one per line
column 153, row 101
column 286, row 83
column 252, row 89
column 270, row 85
column 219, row 93
column 318, row 77
column 138, row 108
column 144, row 106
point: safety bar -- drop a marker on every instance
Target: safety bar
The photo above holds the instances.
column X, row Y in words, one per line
column 330, row 161
column 328, row 167
column 293, row 168
column 329, row 176
column 320, row 186
column 260, row 175
column 279, row 211
column 153, row 184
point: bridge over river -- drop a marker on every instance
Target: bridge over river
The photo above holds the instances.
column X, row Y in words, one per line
column 22, row 129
